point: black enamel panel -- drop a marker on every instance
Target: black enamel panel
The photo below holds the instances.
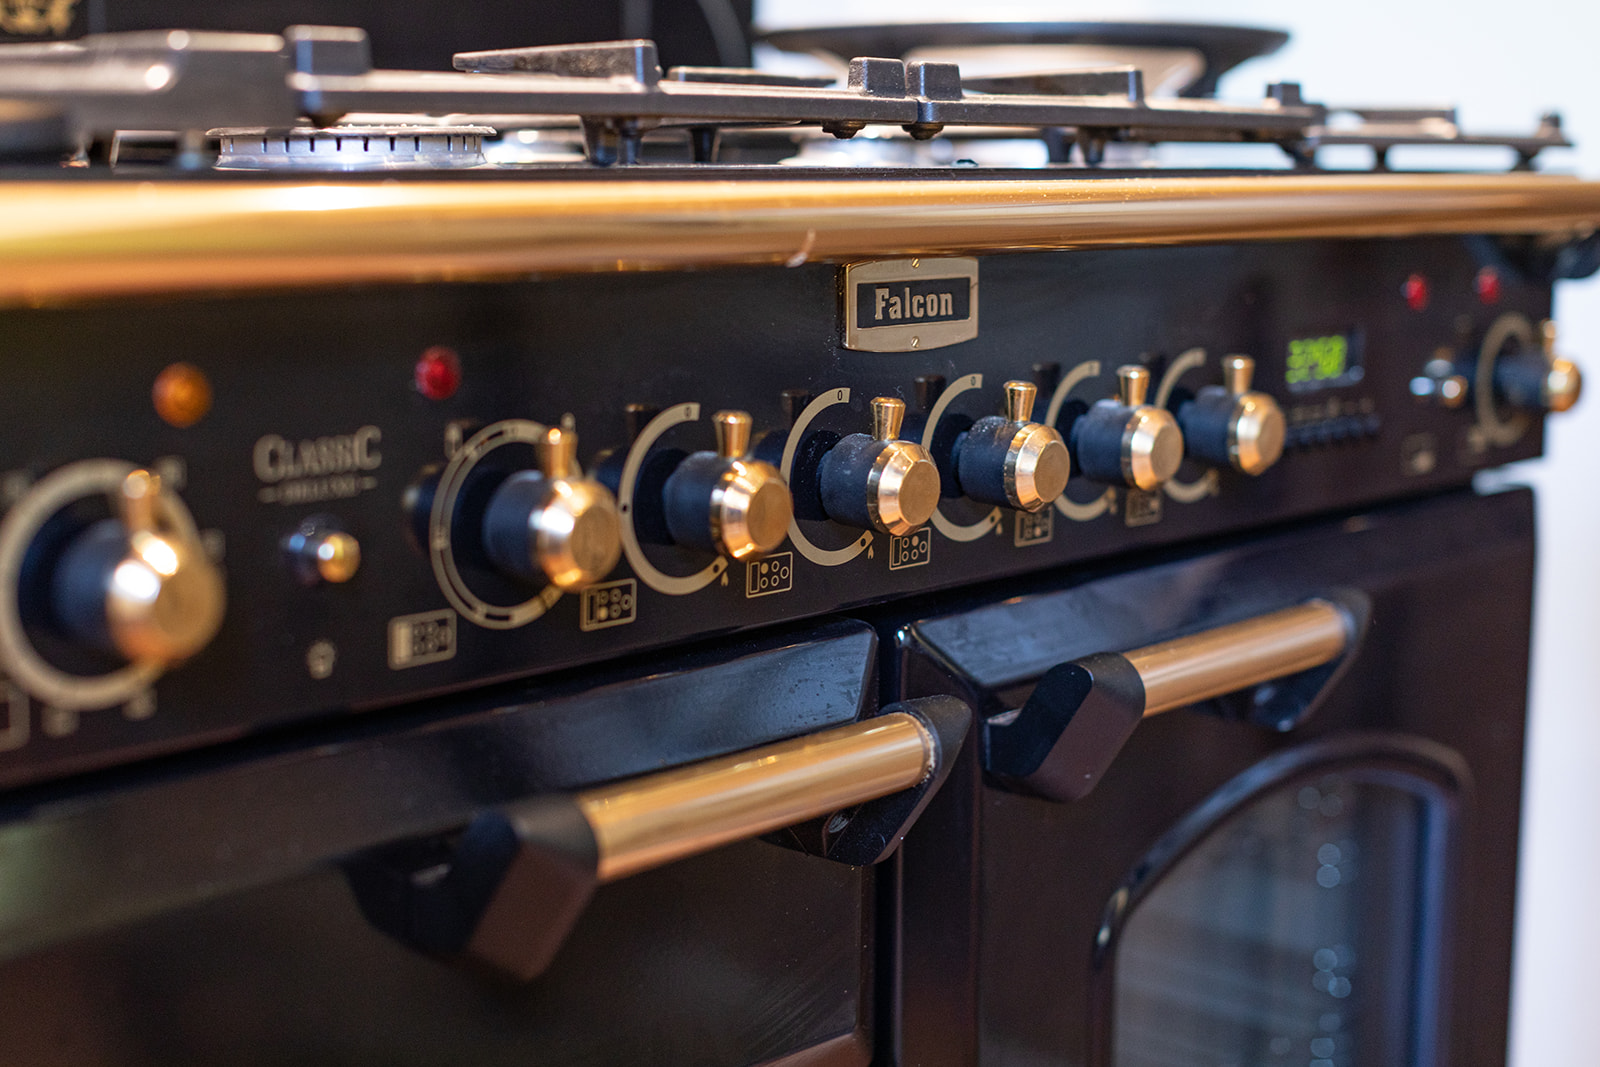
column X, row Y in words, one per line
column 302, row 380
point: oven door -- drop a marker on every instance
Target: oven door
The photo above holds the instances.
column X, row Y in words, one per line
column 318, row 900
column 1317, row 867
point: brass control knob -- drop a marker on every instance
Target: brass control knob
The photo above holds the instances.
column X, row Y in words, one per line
column 141, row 585
column 553, row 524
column 725, row 501
column 878, row 480
column 1232, row 424
column 1440, row 384
column 1011, row 460
column 1538, row 381
column 1125, row 441
column 320, row 551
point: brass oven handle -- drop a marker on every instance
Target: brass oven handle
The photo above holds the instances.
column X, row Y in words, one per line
column 1187, row 670
column 1081, row 713
column 514, row 881
column 650, row 821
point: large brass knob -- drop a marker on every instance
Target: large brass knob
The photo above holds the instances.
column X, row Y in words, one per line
column 1537, row 379
column 1563, row 381
column 553, row 524
column 1125, row 441
column 141, row 584
column 1011, row 460
column 725, row 501
column 1232, row 424
column 878, row 480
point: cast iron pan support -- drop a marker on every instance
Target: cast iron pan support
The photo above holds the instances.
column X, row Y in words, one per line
column 505, row 891
column 1272, row 669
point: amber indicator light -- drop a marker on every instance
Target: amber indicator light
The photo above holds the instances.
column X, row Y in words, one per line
column 181, row 394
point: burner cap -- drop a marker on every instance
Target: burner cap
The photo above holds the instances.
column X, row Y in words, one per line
column 351, row 148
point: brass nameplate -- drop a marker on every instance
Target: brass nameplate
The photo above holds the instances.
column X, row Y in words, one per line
column 906, row 305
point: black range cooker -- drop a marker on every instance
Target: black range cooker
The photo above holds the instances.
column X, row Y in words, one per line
column 535, row 562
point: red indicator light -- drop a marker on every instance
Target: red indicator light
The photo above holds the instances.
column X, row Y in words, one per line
column 1415, row 290
column 1487, row 284
column 438, row 373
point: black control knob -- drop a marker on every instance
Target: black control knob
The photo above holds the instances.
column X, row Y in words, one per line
column 1232, row 424
column 1125, row 441
column 726, row 502
column 140, row 585
column 878, row 481
column 1011, row 460
column 552, row 524
column 1538, row 381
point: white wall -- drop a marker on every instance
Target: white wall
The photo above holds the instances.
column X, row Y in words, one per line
column 1502, row 64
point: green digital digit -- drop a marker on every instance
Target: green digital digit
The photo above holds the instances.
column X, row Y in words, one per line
column 1317, row 359
column 1299, row 363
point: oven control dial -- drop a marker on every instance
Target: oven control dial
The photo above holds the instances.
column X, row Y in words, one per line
column 141, row 584
column 1232, row 424
column 1009, row 459
column 877, row 480
column 552, row 524
column 1125, row 441
column 1538, row 380
column 725, row 501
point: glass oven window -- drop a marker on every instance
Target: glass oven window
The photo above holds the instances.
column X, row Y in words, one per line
column 1291, row 934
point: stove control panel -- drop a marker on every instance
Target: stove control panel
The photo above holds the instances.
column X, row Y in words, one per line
column 339, row 500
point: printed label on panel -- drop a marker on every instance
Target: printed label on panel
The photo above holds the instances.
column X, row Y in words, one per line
column 427, row 637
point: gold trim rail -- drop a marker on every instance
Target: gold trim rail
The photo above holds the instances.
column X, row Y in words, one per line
column 71, row 240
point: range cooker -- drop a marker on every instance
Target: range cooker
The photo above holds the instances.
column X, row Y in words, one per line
column 525, row 563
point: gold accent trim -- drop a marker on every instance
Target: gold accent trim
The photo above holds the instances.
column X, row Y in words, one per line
column 646, row 822
column 70, row 240
column 1189, row 669
column 37, row 18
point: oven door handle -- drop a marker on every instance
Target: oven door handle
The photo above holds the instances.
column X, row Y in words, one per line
column 505, row 891
column 1061, row 742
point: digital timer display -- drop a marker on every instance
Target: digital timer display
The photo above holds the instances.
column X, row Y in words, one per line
column 1316, row 362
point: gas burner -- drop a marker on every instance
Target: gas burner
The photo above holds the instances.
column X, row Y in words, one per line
column 613, row 95
column 351, row 147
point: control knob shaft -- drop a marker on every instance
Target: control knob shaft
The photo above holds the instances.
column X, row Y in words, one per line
column 140, row 585
column 1232, row 424
column 1125, row 441
column 1011, row 460
column 878, row 481
column 1538, row 381
column 726, row 502
column 552, row 524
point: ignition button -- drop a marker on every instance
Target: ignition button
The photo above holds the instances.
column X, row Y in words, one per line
column 320, row 551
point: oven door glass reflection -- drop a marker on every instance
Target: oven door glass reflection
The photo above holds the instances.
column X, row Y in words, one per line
column 1294, row 932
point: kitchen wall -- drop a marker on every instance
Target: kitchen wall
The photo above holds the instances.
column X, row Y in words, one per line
column 1502, row 64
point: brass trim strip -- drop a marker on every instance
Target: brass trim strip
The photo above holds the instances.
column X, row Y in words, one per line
column 646, row 822
column 1188, row 669
column 64, row 241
